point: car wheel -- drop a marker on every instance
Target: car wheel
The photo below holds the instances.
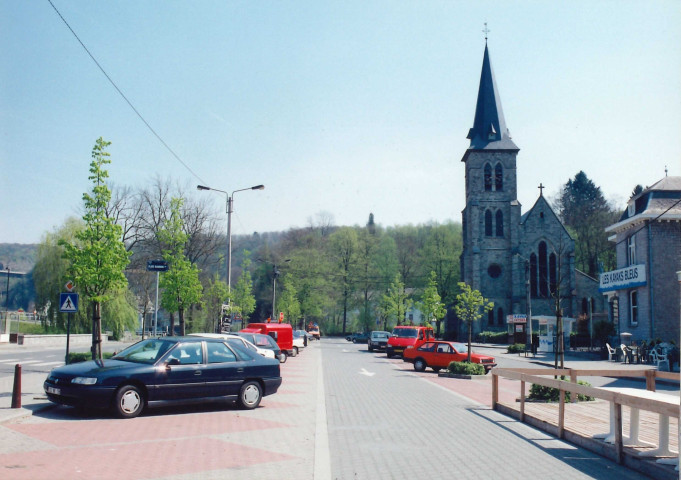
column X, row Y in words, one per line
column 283, row 357
column 389, row 354
column 129, row 401
column 370, row 348
column 420, row 365
column 295, row 351
column 250, row 395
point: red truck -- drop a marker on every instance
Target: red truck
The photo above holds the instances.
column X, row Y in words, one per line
column 404, row 336
column 281, row 332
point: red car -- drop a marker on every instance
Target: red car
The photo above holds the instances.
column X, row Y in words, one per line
column 438, row 354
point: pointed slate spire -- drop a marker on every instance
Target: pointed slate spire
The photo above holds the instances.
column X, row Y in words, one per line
column 489, row 128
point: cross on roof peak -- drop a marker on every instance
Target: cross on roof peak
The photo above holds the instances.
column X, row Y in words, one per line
column 541, row 188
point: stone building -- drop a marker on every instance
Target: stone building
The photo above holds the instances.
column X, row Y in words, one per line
column 643, row 293
column 508, row 255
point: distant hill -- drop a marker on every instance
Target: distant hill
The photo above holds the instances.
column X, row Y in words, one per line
column 18, row 257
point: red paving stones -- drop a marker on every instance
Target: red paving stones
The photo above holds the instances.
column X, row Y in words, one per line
column 102, row 432
column 119, row 461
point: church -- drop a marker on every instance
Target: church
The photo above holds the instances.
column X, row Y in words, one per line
column 520, row 261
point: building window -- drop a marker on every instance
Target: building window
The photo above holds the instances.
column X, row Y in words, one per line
column 533, row 275
column 633, row 307
column 631, row 249
column 500, row 316
column 553, row 280
column 490, row 317
column 494, row 270
column 500, row 223
column 488, row 177
column 543, row 271
column 488, row 223
column 498, row 178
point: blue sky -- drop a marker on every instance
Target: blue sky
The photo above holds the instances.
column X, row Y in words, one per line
column 347, row 107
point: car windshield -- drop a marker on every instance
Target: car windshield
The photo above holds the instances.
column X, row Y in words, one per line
column 146, row 351
column 380, row 335
column 405, row 332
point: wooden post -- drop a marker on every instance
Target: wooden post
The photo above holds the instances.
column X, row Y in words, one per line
column 522, row 400
column 650, row 380
column 561, row 413
column 618, row 433
column 573, row 379
column 495, row 390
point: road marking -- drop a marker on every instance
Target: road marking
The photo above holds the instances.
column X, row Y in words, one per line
column 48, row 364
column 322, row 454
column 363, row 371
column 9, row 360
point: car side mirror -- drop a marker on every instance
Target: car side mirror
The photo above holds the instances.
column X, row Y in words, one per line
column 173, row 361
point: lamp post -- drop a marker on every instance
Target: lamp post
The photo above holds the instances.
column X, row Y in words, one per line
column 229, row 210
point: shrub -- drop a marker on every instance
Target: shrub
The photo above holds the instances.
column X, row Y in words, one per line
column 516, row 348
column 492, row 337
column 550, row 394
column 465, row 368
column 85, row 356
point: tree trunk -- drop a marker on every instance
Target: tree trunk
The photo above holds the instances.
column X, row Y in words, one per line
column 470, row 339
column 96, row 348
column 180, row 313
column 172, row 324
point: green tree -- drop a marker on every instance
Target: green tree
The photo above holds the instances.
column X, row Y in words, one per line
column 583, row 208
column 243, row 300
column 343, row 248
column 181, row 285
column 396, row 302
column 470, row 306
column 214, row 297
column 441, row 253
column 120, row 313
column 431, row 304
column 98, row 256
column 288, row 301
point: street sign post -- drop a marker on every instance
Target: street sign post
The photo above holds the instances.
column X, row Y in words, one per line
column 68, row 302
column 157, row 266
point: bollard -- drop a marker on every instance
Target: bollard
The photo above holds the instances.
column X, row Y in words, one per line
column 16, row 391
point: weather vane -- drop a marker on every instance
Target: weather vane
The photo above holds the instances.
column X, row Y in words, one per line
column 485, row 31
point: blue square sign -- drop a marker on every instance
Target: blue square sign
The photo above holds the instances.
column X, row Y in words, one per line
column 68, row 302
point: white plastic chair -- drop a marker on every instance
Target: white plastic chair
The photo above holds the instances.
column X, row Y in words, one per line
column 612, row 353
column 661, row 358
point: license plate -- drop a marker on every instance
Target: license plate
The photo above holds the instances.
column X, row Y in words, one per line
column 53, row 391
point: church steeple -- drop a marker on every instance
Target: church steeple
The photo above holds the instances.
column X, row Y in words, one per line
column 489, row 130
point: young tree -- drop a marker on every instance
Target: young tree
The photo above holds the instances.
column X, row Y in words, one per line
column 288, row 301
column 214, row 297
column 243, row 300
column 470, row 306
column 343, row 248
column 431, row 304
column 396, row 302
column 98, row 256
column 181, row 285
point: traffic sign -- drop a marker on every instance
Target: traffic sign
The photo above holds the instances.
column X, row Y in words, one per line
column 157, row 266
column 68, row 302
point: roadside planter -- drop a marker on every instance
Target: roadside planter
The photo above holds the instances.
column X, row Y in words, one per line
column 465, row 370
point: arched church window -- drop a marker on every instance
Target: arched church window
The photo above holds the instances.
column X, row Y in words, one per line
column 488, row 177
column 543, row 271
column 553, row 282
column 494, row 271
column 500, row 316
column 498, row 177
column 500, row 223
column 490, row 317
column 585, row 306
column 533, row 275
column 488, row 223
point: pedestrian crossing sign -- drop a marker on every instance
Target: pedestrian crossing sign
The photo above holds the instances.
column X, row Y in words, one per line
column 68, row 302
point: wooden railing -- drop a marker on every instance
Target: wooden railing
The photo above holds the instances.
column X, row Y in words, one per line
column 632, row 400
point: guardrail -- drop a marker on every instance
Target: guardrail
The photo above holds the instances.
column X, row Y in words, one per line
column 635, row 400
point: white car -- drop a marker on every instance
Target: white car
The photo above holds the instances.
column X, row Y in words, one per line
column 226, row 336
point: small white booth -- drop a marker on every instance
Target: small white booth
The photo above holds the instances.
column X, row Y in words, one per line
column 545, row 326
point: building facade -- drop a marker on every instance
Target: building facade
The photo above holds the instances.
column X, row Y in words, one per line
column 643, row 293
column 508, row 256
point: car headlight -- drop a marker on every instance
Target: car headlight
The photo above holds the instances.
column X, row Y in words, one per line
column 84, row 380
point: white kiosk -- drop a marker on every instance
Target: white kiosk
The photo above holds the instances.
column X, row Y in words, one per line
column 546, row 327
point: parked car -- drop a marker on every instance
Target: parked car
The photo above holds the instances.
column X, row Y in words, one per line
column 313, row 329
column 263, row 341
column 378, row 340
column 438, row 354
column 232, row 337
column 404, row 336
column 166, row 371
column 358, row 337
column 307, row 338
column 299, row 342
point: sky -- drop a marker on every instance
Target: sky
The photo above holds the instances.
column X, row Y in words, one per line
column 347, row 107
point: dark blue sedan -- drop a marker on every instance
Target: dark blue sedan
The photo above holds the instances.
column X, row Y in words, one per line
column 166, row 371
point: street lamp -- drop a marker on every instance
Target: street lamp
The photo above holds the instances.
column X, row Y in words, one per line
column 230, row 209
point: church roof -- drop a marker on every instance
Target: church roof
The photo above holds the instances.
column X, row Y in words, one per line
column 541, row 205
column 489, row 130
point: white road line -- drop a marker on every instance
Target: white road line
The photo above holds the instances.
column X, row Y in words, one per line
column 9, row 360
column 47, row 364
column 322, row 455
